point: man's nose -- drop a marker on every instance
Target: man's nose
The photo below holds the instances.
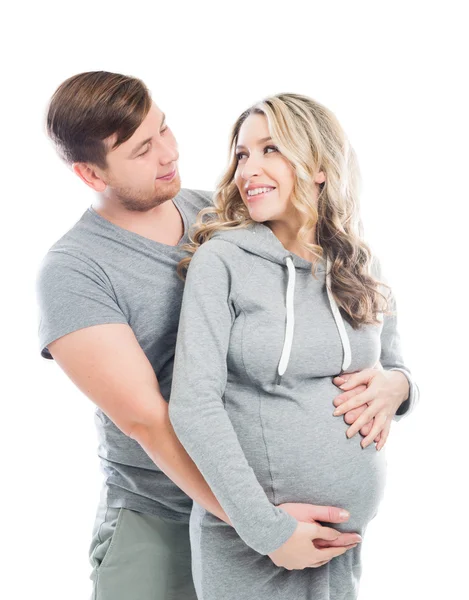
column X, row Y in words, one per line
column 168, row 153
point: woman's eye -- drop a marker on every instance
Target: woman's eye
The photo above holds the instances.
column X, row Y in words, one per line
column 240, row 155
column 165, row 128
column 271, row 149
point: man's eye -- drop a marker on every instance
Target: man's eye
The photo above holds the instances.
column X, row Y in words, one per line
column 143, row 153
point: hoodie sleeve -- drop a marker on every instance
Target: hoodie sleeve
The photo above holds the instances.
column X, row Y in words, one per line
column 196, row 407
column 391, row 354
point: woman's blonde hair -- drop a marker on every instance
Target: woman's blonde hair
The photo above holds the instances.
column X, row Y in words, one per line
column 312, row 140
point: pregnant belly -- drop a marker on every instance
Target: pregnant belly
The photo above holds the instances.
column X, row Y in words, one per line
column 300, row 453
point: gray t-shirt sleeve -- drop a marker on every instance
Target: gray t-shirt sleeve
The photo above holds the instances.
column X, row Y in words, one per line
column 391, row 352
column 197, row 411
column 72, row 293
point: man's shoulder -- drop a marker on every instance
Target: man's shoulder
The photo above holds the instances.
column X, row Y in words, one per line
column 77, row 249
column 74, row 237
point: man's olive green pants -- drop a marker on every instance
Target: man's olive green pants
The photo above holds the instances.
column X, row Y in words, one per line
column 137, row 556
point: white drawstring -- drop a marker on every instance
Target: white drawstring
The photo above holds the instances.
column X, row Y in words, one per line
column 290, row 323
column 338, row 319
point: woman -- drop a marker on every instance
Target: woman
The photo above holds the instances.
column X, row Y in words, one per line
column 280, row 297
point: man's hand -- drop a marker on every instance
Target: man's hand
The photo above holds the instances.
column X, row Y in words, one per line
column 300, row 552
column 352, row 415
column 383, row 394
column 310, row 513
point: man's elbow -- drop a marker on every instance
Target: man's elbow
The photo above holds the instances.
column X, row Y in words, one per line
column 148, row 424
column 176, row 416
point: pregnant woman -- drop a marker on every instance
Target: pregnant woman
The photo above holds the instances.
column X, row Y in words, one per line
column 281, row 296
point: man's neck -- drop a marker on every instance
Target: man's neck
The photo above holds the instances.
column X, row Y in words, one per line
column 162, row 224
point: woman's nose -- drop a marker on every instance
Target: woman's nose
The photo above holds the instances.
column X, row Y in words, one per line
column 251, row 168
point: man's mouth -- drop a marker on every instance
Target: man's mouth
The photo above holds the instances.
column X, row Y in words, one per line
column 168, row 177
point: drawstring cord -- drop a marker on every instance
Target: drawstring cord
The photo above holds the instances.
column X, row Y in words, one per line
column 290, row 322
column 338, row 319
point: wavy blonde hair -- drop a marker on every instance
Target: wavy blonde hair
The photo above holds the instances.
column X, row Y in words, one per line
column 312, row 140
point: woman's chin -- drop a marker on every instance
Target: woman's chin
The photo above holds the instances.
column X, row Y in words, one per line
column 258, row 216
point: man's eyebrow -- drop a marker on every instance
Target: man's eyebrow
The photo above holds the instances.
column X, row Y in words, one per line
column 139, row 146
column 261, row 141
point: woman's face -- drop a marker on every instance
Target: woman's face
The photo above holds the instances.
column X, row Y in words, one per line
column 264, row 176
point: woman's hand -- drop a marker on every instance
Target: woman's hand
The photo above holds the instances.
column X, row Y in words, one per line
column 383, row 394
column 313, row 545
column 300, row 552
column 311, row 513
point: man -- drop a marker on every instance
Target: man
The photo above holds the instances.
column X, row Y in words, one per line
column 109, row 301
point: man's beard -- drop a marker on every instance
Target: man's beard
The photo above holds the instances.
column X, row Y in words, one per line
column 140, row 202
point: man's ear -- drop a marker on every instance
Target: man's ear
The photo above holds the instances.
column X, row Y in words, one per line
column 90, row 175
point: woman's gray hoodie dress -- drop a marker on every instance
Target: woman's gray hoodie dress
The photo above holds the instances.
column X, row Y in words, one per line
column 260, row 339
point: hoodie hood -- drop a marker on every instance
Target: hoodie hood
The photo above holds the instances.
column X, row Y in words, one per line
column 258, row 239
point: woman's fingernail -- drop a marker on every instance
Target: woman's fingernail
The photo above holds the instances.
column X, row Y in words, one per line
column 343, row 514
column 336, row 412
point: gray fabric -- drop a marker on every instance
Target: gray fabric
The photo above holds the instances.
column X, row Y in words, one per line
column 225, row 568
column 259, row 443
column 100, row 273
column 140, row 557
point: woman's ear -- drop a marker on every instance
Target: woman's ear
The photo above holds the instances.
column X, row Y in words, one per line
column 320, row 177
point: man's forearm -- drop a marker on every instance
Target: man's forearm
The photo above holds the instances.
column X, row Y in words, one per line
column 160, row 442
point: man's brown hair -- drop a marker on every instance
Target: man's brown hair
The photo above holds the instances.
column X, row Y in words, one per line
column 89, row 107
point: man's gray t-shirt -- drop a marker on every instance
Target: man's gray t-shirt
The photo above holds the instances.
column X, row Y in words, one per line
column 99, row 273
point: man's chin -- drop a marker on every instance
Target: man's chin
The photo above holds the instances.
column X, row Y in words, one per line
column 177, row 185
column 168, row 189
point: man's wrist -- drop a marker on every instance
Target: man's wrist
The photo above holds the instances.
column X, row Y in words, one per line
column 404, row 385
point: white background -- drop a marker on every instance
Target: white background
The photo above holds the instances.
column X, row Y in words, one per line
column 395, row 76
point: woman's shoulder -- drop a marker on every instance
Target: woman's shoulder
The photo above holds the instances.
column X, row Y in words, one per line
column 216, row 249
column 218, row 258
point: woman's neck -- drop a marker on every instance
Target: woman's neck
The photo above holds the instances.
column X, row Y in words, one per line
column 287, row 233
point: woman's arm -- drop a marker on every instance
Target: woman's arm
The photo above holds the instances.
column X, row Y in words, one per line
column 197, row 412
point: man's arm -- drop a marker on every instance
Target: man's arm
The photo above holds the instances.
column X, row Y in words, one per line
column 108, row 365
column 82, row 325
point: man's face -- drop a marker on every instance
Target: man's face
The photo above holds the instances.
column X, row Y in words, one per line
column 142, row 172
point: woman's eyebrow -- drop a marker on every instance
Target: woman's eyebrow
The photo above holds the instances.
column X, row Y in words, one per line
column 261, row 141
